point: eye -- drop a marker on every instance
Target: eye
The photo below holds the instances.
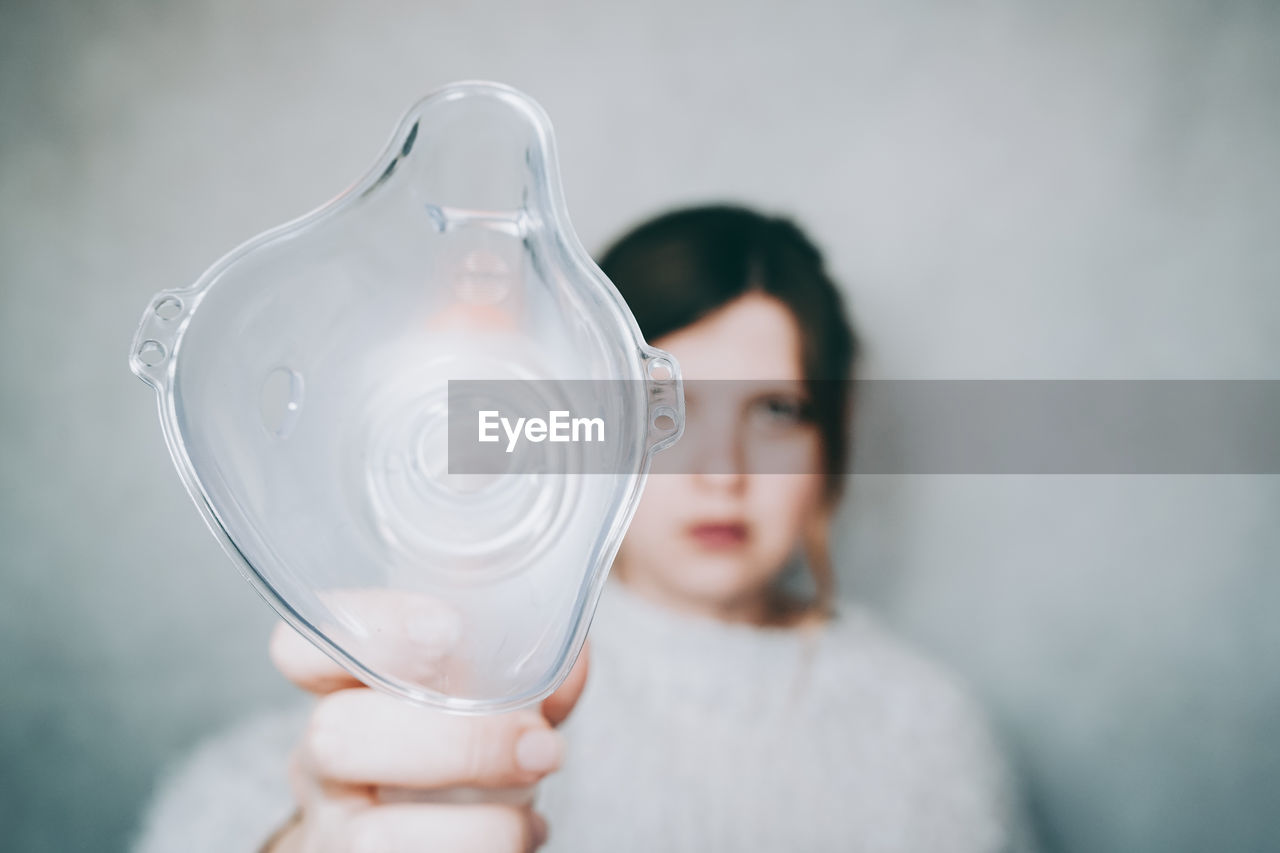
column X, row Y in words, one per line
column 779, row 410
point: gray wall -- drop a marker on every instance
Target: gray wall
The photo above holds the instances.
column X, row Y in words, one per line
column 1011, row 190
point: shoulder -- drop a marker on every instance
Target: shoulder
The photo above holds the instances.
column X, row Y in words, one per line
column 229, row 792
column 922, row 724
column 860, row 656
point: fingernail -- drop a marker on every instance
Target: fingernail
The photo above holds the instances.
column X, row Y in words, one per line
column 540, row 750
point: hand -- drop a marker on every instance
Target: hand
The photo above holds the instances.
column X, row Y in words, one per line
column 375, row 773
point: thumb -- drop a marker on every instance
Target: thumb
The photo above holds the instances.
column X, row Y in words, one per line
column 558, row 705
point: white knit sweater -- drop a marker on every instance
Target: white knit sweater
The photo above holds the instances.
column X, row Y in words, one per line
column 695, row 735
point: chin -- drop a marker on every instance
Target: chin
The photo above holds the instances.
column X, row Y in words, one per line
column 713, row 580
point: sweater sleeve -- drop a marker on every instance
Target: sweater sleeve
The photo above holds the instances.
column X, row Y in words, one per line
column 229, row 793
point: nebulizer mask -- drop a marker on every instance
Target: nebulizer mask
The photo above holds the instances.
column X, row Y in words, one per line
column 335, row 395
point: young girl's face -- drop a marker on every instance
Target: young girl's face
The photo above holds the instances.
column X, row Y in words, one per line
column 713, row 529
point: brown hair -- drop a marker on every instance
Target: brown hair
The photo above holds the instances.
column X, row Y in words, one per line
column 679, row 267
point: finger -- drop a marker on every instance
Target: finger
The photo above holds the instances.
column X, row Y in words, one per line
column 558, row 705
column 400, row 634
column 406, row 828
column 523, row 795
column 326, row 808
column 305, row 665
column 365, row 737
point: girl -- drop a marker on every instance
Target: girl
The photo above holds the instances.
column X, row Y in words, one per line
column 731, row 704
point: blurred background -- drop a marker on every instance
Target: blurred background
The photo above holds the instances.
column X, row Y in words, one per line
column 1009, row 190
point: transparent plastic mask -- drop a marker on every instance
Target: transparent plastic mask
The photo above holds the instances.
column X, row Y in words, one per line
column 303, row 386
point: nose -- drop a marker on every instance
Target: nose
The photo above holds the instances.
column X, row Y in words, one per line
column 728, row 482
column 718, row 458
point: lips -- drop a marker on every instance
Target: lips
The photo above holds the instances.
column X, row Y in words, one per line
column 717, row 535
